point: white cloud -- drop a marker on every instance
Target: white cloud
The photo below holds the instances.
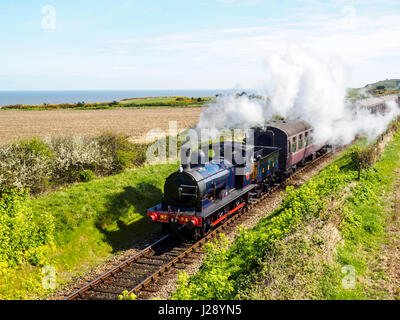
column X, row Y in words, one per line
column 223, row 50
column 232, row 56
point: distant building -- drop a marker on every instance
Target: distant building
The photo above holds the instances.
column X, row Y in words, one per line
column 378, row 104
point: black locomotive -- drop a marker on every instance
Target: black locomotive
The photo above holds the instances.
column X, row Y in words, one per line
column 206, row 190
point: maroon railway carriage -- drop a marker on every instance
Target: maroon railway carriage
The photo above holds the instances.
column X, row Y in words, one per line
column 293, row 138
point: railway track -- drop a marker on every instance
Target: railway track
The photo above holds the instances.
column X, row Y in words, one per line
column 144, row 272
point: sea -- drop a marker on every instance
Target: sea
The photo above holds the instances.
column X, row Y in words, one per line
column 58, row 97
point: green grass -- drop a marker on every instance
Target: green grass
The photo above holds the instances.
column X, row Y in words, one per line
column 94, row 220
column 115, row 205
column 363, row 242
column 391, row 84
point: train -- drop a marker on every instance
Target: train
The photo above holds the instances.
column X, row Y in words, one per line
column 209, row 187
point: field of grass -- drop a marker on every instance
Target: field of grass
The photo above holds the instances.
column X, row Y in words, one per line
column 392, row 84
column 93, row 221
column 364, row 240
column 391, row 87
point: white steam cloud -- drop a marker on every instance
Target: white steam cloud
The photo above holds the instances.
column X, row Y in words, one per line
column 305, row 88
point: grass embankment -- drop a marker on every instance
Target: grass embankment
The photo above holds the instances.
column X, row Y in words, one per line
column 154, row 102
column 91, row 221
column 322, row 243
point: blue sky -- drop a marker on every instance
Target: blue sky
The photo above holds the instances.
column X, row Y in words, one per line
column 188, row 44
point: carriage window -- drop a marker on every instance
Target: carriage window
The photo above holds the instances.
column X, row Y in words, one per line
column 311, row 136
column 301, row 142
column 294, row 145
column 289, row 146
column 306, row 139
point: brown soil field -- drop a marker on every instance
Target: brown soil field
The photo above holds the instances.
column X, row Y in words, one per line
column 135, row 123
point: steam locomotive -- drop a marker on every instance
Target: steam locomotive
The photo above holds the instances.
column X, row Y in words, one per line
column 208, row 189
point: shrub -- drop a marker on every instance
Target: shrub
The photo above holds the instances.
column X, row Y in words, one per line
column 86, row 175
column 139, row 154
column 363, row 158
column 25, row 164
column 126, row 296
column 216, row 285
column 118, row 150
column 74, row 155
column 24, row 235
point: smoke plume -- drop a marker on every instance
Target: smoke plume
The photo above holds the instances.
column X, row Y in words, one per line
column 301, row 87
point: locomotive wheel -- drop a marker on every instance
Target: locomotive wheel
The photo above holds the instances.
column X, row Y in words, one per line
column 260, row 191
column 165, row 228
column 185, row 234
column 222, row 213
column 206, row 228
column 198, row 233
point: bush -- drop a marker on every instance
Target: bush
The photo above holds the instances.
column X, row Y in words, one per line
column 126, row 296
column 25, row 164
column 363, row 158
column 86, row 175
column 216, row 285
column 24, row 235
column 118, row 150
column 74, row 155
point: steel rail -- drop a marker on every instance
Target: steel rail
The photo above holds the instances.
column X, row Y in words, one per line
column 109, row 273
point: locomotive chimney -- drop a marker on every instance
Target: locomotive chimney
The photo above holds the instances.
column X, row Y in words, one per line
column 185, row 158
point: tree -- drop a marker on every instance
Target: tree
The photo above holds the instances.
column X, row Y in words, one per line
column 363, row 158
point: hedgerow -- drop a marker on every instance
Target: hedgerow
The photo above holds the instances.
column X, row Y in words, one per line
column 178, row 102
column 38, row 165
